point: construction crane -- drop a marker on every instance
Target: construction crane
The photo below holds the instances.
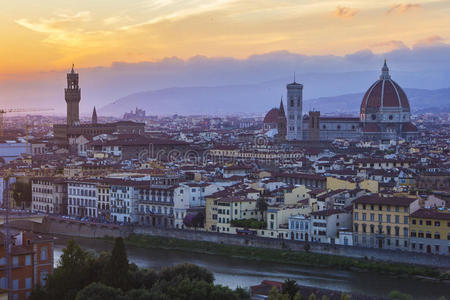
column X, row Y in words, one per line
column 4, row 111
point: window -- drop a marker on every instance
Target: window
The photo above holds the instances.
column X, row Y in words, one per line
column 405, row 220
column 372, row 217
column 397, row 219
column 428, row 223
column 380, row 218
column 413, row 234
column 388, row 218
column 437, row 236
column 364, row 216
column 15, row 261
column 3, row 284
column 43, row 277
column 356, row 216
column 28, row 283
column 437, row 223
column 44, row 253
column 15, row 284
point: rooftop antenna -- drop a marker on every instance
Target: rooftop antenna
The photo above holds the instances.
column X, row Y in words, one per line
column 294, row 76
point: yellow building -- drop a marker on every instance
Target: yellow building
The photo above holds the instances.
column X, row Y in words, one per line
column 211, row 212
column 382, row 222
column 296, row 194
column 234, row 208
column 430, row 231
column 342, row 184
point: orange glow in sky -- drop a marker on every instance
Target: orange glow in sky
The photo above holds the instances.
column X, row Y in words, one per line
column 48, row 34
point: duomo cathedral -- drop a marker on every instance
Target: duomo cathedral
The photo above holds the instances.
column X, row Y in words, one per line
column 384, row 114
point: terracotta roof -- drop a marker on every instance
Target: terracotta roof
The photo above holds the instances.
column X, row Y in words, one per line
column 272, row 116
column 430, row 214
column 371, row 127
column 385, row 93
column 376, row 199
column 409, row 127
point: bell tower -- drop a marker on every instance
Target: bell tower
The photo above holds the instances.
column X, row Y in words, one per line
column 73, row 97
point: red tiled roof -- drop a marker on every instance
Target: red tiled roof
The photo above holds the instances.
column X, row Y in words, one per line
column 386, row 93
column 409, row 127
column 371, row 127
column 430, row 214
column 272, row 116
column 376, row 199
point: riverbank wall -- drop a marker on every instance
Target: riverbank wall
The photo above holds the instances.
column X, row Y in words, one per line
column 59, row 226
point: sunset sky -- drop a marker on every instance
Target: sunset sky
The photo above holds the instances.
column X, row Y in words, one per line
column 49, row 35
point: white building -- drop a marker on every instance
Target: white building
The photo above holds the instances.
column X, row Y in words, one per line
column 82, row 198
column 300, row 228
column 42, row 195
column 124, row 201
column 190, row 195
column 326, row 223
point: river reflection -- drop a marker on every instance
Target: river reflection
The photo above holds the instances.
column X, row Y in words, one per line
column 235, row 272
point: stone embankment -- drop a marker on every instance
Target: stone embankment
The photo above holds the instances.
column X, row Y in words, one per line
column 60, row 226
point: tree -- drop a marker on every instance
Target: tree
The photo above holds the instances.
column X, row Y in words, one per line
column 72, row 275
column 242, row 293
column 38, row 293
column 261, row 206
column 397, row 295
column 273, row 295
column 115, row 273
column 312, row 297
column 182, row 271
column 99, row 291
column 290, row 287
column 141, row 278
column 298, row 296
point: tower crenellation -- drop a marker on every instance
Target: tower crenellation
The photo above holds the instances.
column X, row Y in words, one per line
column 73, row 97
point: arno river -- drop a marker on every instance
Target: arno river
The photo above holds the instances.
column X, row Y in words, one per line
column 235, row 272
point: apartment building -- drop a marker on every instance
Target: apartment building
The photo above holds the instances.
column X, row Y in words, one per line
column 31, row 261
column 155, row 204
column 42, row 199
column 104, row 201
column 190, row 195
column 234, row 208
column 82, row 198
column 382, row 222
column 430, row 231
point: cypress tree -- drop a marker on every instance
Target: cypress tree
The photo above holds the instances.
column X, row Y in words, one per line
column 115, row 273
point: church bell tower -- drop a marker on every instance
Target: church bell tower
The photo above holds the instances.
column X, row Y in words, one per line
column 73, row 97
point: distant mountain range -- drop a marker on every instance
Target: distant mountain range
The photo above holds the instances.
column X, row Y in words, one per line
column 258, row 98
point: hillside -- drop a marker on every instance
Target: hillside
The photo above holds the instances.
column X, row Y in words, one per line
column 255, row 99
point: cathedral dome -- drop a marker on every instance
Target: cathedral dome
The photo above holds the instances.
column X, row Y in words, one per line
column 385, row 101
column 272, row 116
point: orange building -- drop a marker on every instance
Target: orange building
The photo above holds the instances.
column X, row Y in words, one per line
column 31, row 261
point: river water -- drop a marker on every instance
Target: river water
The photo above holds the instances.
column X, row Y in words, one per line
column 235, row 272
